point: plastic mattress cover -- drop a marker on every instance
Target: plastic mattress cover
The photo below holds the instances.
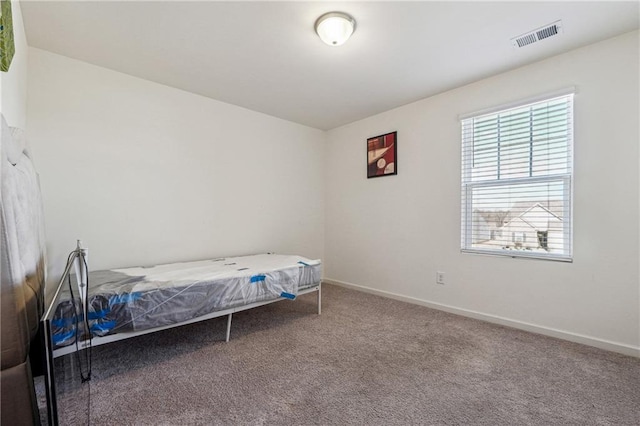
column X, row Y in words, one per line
column 139, row 298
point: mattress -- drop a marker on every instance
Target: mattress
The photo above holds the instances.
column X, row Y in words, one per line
column 140, row 298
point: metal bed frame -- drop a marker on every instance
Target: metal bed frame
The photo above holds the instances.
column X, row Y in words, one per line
column 96, row 341
column 78, row 258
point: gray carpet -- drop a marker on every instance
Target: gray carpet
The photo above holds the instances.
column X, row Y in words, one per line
column 366, row 360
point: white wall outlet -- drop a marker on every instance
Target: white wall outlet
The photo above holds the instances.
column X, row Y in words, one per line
column 440, row 278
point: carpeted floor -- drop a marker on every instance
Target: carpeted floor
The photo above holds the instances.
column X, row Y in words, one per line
column 366, row 360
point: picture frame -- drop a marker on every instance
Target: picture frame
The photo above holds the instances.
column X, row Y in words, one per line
column 7, row 44
column 382, row 155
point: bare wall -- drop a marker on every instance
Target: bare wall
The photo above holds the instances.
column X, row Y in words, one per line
column 146, row 174
column 390, row 235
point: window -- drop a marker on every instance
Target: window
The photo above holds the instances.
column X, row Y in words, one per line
column 542, row 239
column 517, row 180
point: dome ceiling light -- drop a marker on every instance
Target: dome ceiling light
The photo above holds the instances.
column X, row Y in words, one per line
column 335, row 28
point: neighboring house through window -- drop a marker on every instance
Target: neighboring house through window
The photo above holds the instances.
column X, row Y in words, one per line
column 517, row 170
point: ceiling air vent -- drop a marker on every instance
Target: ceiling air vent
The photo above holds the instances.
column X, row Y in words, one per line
column 537, row 35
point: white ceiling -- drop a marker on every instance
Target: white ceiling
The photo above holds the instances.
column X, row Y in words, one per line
column 266, row 57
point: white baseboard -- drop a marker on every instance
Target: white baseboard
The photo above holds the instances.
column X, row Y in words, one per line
column 552, row 332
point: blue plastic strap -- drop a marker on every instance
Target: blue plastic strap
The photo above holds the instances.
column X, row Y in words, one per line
column 63, row 337
column 257, row 278
column 303, row 263
column 98, row 314
column 124, row 298
column 287, row 295
column 67, row 321
column 103, row 327
column 61, row 322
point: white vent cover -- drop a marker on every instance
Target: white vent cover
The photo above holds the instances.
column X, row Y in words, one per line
column 537, row 35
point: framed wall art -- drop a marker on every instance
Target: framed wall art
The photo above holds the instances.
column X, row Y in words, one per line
column 7, row 45
column 382, row 155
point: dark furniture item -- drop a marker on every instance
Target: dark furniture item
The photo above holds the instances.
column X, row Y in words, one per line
column 23, row 275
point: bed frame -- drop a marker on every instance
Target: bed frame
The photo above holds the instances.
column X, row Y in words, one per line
column 96, row 341
column 77, row 258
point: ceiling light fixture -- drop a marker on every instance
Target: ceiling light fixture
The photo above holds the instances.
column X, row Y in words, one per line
column 335, row 28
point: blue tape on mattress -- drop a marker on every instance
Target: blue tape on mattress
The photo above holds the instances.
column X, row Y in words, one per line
column 62, row 337
column 303, row 263
column 63, row 322
column 257, row 278
column 98, row 314
column 124, row 298
column 103, row 327
column 287, row 295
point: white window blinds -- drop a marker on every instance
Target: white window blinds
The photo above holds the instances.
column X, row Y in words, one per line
column 517, row 180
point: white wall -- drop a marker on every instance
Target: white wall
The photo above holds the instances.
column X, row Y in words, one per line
column 392, row 234
column 146, row 174
column 13, row 84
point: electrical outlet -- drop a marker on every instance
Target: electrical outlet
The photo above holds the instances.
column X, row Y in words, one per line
column 440, row 278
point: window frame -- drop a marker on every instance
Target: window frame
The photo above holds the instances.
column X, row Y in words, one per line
column 467, row 183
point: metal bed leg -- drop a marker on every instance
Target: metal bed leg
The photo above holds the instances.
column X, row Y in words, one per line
column 228, row 326
column 319, row 299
